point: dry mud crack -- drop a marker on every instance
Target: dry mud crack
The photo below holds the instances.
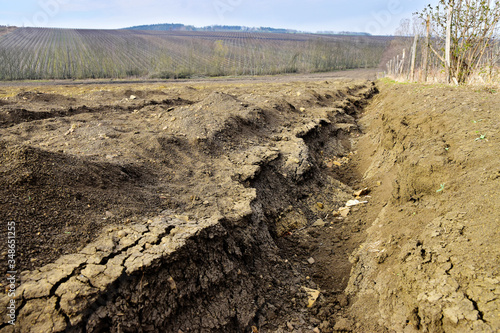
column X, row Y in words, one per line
column 217, row 207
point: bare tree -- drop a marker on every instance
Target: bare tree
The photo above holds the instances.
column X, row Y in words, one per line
column 471, row 25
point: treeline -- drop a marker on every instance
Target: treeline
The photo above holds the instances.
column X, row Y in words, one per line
column 41, row 53
column 234, row 28
column 220, row 28
column 163, row 27
column 345, row 33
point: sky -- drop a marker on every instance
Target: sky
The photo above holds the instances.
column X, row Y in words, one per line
column 372, row 16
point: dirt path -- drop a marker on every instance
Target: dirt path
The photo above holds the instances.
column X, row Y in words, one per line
column 360, row 74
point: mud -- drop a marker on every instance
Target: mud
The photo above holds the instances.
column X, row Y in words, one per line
column 221, row 206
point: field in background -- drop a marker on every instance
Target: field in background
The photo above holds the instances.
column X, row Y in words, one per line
column 43, row 53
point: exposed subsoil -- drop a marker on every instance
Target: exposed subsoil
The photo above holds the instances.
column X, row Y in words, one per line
column 251, row 181
column 431, row 259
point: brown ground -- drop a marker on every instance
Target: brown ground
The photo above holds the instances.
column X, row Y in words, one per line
column 432, row 256
column 76, row 158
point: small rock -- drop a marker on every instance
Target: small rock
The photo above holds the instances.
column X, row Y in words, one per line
column 362, row 192
column 290, row 326
column 172, row 283
column 170, row 109
column 108, row 214
column 435, row 233
column 320, row 205
column 337, row 163
column 132, row 97
column 122, row 233
column 302, row 109
column 319, row 223
column 336, row 214
column 344, row 211
column 312, row 295
column 311, row 260
column 316, row 330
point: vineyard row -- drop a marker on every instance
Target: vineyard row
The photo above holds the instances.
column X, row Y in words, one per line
column 42, row 53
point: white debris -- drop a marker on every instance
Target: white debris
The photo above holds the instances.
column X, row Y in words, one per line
column 351, row 203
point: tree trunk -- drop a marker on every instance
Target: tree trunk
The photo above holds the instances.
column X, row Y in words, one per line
column 413, row 58
column 426, row 49
column 448, row 42
column 402, row 62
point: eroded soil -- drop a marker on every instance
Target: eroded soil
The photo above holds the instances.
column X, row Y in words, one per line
column 431, row 259
column 249, row 181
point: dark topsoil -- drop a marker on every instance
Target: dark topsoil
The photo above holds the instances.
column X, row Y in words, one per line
column 75, row 159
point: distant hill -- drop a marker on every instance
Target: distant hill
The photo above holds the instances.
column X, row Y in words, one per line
column 233, row 28
column 163, row 27
column 345, row 33
column 220, row 28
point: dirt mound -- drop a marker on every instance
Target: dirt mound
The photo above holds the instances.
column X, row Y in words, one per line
column 93, row 165
column 204, row 120
column 35, row 167
column 221, row 170
column 10, row 116
column 60, row 202
column 35, row 96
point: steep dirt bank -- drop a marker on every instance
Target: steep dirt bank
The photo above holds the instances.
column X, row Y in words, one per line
column 431, row 260
column 173, row 204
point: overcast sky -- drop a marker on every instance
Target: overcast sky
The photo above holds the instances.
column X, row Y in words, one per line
column 373, row 16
